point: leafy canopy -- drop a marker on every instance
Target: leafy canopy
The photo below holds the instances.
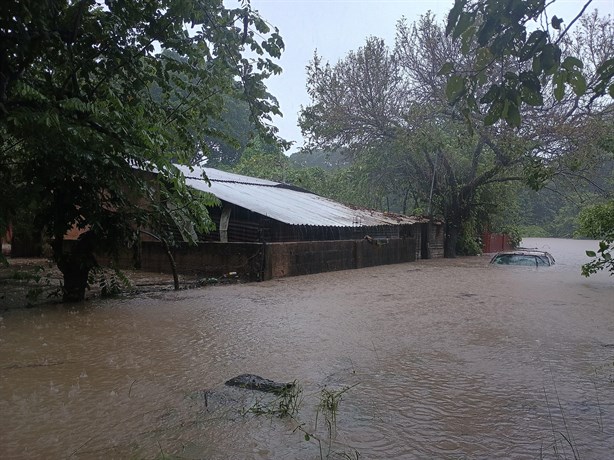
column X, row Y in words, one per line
column 519, row 32
column 91, row 90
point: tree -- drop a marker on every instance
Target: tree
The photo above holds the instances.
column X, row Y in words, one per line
column 496, row 32
column 230, row 136
column 547, row 63
column 597, row 221
column 390, row 106
column 260, row 159
column 234, row 135
column 99, row 99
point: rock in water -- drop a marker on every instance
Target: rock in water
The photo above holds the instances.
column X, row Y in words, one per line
column 255, row 382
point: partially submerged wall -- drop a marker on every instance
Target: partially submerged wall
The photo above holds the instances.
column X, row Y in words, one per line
column 261, row 261
column 495, row 242
column 207, row 259
column 302, row 258
column 430, row 240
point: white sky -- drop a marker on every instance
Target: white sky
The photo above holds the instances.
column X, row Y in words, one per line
column 335, row 27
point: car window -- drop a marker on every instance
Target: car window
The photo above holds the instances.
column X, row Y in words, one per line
column 526, row 260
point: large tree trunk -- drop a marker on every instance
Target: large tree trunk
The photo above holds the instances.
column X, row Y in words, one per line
column 75, row 265
column 75, row 279
column 451, row 239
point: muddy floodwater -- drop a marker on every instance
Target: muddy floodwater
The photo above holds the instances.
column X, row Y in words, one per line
column 433, row 359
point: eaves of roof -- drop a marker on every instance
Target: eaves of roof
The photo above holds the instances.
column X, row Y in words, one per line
column 286, row 205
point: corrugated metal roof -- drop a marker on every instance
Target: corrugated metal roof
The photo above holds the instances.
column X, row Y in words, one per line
column 285, row 205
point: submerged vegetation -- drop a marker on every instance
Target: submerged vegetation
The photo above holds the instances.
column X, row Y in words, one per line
column 287, row 404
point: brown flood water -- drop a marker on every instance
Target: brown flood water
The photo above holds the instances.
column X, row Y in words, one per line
column 450, row 358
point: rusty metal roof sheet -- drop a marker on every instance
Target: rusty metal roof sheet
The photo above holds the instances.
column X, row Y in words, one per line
column 286, row 205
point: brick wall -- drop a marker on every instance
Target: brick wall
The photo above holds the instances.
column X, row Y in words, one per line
column 257, row 261
column 435, row 240
column 302, row 258
column 206, row 259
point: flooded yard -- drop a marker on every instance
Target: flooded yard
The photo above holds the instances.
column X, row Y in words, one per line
column 436, row 359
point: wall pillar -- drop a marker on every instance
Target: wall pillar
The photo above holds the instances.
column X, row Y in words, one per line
column 224, row 220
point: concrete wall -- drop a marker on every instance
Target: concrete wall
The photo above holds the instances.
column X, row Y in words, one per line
column 435, row 241
column 302, row 258
column 206, row 259
column 258, row 261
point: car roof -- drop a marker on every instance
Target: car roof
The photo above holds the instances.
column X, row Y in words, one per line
column 525, row 252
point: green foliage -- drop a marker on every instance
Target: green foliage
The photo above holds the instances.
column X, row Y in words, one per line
column 38, row 282
column 320, row 159
column 111, row 282
column 597, row 221
column 286, row 404
column 421, row 156
column 230, row 135
column 263, row 160
column 602, row 259
column 499, row 32
column 469, row 243
column 87, row 99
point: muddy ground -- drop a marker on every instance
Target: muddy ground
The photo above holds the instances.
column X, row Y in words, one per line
column 30, row 282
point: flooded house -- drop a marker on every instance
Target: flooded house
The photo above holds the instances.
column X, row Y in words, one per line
column 267, row 229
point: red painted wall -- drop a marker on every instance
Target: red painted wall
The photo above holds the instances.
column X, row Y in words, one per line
column 495, row 242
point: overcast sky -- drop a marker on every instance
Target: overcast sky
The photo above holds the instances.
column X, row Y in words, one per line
column 335, row 27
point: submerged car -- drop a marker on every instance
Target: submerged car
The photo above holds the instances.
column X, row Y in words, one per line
column 524, row 257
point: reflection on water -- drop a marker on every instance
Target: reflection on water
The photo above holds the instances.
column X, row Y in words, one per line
column 450, row 358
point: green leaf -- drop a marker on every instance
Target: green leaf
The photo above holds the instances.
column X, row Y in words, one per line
column 556, row 22
column 307, row 437
column 465, row 20
column 510, row 76
column 467, row 39
column 454, row 15
column 530, row 80
column 536, row 66
column 486, row 31
column 591, row 253
column 606, row 69
column 559, row 84
column 577, row 82
column 570, row 62
column 490, row 96
column 531, row 97
column 446, row 69
column 483, row 58
column 535, row 42
column 455, row 88
column 605, row 74
column 550, row 58
column 494, row 113
column 513, row 116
